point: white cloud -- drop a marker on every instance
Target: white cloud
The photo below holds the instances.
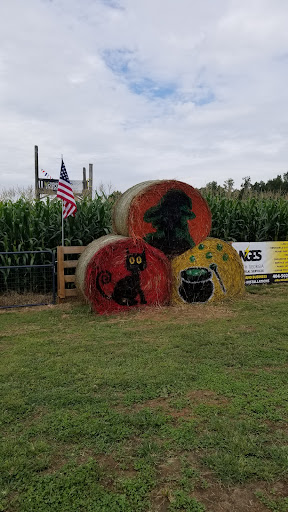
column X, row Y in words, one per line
column 190, row 90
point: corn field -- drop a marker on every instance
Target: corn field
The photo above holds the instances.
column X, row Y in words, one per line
column 36, row 225
column 253, row 219
column 27, row 225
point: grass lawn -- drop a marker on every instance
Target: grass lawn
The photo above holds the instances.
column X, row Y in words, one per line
column 171, row 409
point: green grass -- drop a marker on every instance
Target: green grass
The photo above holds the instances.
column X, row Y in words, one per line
column 176, row 409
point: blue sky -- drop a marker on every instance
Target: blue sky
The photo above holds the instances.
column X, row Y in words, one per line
column 122, row 63
column 195, row 91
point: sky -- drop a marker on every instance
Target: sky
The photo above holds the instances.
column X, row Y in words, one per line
column 144, row 89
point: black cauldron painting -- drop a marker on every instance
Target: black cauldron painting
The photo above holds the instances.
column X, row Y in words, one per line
column 196, row 283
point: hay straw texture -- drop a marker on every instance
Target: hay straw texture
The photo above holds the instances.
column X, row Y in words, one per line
column 122, row 273
column 121, row 208
column 209, row 272
column 86, row 256
column 170, row 215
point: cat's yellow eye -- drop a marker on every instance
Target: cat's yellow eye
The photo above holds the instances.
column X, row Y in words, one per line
column 139, row 259
column 131, row 260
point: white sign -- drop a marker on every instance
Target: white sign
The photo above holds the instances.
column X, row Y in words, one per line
column 264, row 262
column 77, row 185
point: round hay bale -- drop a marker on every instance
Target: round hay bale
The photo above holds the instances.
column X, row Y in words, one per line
column 86, row 256
column 117, row 273
column 211, row 271
column 170, row 215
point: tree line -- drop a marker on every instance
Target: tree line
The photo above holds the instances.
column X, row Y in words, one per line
column 276, row 186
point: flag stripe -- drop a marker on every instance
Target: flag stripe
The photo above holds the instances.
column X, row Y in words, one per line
column 64, row 185
column 65, row 195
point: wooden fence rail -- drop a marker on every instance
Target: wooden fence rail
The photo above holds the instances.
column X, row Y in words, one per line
column 62, row 264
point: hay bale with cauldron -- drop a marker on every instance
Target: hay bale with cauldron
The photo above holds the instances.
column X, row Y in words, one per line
column 210, row 271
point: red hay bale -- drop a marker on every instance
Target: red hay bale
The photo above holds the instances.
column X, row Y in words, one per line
column 122, row 273
column 86, row 256
column 170, row 215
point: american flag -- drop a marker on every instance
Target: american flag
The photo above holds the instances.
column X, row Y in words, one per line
column 65, row 193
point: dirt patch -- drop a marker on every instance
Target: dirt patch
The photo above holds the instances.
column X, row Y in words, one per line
column 220, row 498
column 164, row 404
column 170, row 470
column 209, row 397
column 19, row 299
column 28, row 309
column 55, row 464
column 36, row 415
column 278, row 426
column 15, row 330
column 214, row 495
column 110, row 465
column 268, row 369
column 115, row 467
column 174, row 314
column 246, row 328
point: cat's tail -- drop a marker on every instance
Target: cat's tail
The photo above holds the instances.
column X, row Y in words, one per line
column 104, row 277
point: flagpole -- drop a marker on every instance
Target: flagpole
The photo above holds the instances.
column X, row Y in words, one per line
column 62, row 224
column 62, row 213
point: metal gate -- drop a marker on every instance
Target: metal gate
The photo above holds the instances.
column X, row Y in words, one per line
column 27, row 278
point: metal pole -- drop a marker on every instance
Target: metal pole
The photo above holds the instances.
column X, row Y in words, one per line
column 62, row 209
column 62, row 223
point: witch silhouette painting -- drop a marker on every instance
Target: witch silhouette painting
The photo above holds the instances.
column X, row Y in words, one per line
column 170, row 219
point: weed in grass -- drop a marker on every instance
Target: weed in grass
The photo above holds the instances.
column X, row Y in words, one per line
column 184, row 435
column 190, row 476
column 179, row 403
column 274, row 504
column 180, row 500
column 72, row 489
column 149, row 449
column 243, row 451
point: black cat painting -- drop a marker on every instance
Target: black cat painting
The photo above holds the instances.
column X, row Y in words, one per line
column 127, row 289
column 170, row 218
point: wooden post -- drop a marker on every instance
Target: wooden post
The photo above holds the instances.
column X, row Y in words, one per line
column 37, row 193
column 90, row 180
column 60, row 273
column 62, row 278
column 84, row 182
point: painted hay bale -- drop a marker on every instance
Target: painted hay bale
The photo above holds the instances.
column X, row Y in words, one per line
column 211, row 271
column 170, row 215
column 87, row 255
column 117, row 273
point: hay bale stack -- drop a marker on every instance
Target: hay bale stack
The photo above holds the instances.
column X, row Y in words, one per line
column 209, row 272
column 168, row 214
column 117, row 273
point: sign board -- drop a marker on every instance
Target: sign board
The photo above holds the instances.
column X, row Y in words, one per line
column 52, row 185
column 264, row 262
